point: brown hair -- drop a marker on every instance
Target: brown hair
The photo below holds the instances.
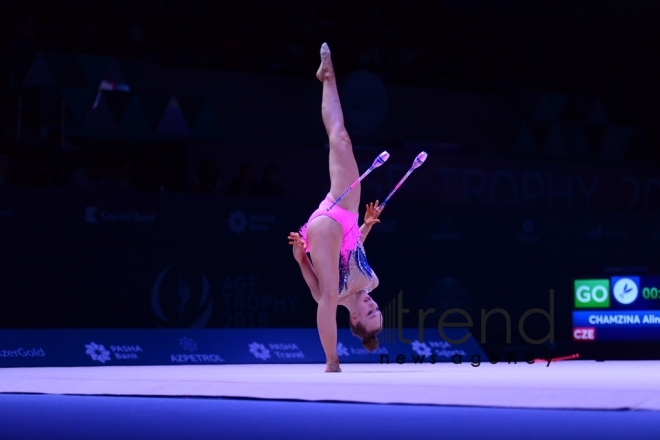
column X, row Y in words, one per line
column 369, row 339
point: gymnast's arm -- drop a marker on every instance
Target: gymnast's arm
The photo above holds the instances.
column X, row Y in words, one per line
column 370, row 218
column 305, row 265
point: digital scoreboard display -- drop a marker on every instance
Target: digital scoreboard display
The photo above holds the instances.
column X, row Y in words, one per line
column 621, row 308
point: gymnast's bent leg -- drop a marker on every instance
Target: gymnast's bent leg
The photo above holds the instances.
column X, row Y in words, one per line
column 323, row 233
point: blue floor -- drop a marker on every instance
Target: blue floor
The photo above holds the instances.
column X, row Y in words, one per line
column 38, row 416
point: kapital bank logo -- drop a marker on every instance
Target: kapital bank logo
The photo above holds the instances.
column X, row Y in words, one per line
column 592, row 294
column 94, row 214
column 342, row 350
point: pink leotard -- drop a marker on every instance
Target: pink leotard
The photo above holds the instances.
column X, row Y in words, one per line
column 355, row 274
column 347, row 220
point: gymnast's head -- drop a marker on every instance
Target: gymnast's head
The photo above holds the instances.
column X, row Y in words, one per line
column 366, row 321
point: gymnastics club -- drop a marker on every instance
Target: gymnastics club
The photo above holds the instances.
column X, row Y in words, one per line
column 382, row 157
column 419, row 160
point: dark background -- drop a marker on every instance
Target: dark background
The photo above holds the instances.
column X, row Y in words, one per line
column 539, row 121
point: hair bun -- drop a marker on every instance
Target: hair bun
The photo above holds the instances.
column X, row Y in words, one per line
column 370, row 343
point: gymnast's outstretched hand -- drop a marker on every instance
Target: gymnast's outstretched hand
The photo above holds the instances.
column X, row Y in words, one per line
column 298, row 245
column 372, row 213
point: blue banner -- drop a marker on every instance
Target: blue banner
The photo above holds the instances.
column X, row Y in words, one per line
column 100, row 347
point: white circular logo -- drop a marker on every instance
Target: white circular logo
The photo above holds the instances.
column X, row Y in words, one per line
column 625, row 291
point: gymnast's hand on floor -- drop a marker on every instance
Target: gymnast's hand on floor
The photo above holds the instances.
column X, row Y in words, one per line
column 298, row 246
column 372, row 213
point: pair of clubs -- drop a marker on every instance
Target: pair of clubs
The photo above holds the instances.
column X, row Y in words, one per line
column 382, row 157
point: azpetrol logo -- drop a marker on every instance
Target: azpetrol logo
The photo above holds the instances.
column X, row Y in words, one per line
column 592, row 294
column 190, row 345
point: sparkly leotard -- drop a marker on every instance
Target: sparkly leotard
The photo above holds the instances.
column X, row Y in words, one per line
column 355, row 274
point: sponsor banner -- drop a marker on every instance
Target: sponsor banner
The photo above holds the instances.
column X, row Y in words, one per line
column 429, row 346
column 96, row 347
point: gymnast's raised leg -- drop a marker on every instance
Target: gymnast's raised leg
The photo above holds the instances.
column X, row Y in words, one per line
column 324, row 234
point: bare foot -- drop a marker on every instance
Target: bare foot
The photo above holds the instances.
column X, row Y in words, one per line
column 332, row 368
column 325, row 69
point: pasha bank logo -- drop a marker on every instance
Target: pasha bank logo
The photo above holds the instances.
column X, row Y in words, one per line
column 240, row 222
column 592, row 294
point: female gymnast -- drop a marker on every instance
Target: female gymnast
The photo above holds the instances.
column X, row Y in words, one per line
column 338, row 272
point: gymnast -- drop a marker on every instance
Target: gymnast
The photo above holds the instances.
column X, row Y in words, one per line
column 337, row 271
